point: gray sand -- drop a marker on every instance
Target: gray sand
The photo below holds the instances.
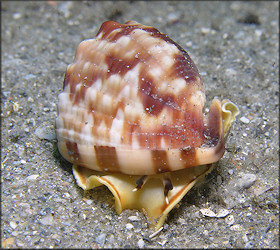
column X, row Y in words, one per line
column 235, row 47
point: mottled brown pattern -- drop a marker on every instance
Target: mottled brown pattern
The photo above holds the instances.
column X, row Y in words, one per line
column 185, row 67
column 119, row 65
column 107, row 158
column 129, row 130
column 107, row 27
column 153, row 102
column 98, row 119
column 136, row 65
column 115, row 65
column 79, row 94
column 150, row 140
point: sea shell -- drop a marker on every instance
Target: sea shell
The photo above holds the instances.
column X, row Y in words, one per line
column 131, row 117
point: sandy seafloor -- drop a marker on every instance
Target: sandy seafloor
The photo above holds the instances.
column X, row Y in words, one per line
column 235, row 47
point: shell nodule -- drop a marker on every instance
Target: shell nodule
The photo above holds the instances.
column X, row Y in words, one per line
column 133, row 102
column 132, row 105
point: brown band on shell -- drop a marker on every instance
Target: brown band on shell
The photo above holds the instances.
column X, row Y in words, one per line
column 86, row 83
column 185, row 67
column 214, row 131
column 80, row 94
column 160, row 161
column 73, row 150
column 93, row 73
column 107, row 28
column 194, row 127
column 119, row 66
column 153, row 102
column 188, row 156
column 107, row 158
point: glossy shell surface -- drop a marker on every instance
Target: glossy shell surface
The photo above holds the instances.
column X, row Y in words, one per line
column 132, row 103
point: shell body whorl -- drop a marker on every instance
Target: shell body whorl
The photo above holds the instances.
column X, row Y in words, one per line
column 132, row 102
